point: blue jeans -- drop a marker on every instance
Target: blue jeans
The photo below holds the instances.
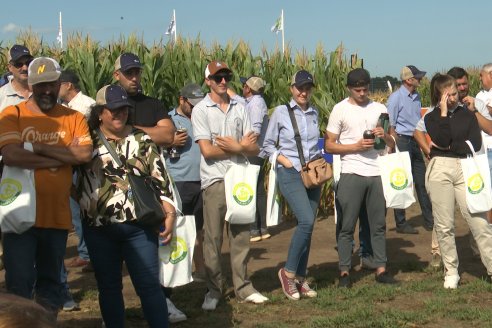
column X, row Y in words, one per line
column 77, row 225
column 304, row 204
column 33, row 262
column 406, row 143
column 108, row 247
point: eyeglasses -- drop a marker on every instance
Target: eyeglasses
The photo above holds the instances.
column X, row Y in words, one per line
column 20, row 64
column 218, row 78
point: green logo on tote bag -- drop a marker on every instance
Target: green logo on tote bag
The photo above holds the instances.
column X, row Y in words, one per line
column 242, row 193
column 179, row 250
column 475, row 184
column 398, row 179
column 9, row 190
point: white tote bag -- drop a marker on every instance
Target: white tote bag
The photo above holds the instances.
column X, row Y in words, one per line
column 177, row 256
column 477, row 181
column 17, row 198
column 397, row 179
column 274, row 203
column 240, row 190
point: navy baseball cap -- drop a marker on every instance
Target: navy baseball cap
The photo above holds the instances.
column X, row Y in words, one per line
column 126, row 61
column 410, row 71
column 112, row 97
column 17, row 52
column 301, row 78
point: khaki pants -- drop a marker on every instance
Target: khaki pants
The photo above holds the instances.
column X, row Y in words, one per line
column 445, row 183
column 214, row 210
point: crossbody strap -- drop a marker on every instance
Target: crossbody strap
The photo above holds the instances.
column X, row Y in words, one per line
column 110, row 149
column 297, row 136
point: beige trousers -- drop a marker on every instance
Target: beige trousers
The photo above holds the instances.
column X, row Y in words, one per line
column 445, row 184
column 214, row 210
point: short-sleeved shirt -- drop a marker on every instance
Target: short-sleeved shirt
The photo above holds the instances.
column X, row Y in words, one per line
column 103, row 185
column 146, row 111
column 81, row 103
column 60, row 126
column 404, row 110
column 280, row 129
column 210, row 121
column 8, row 96
column 187, row 166
column 349, row 121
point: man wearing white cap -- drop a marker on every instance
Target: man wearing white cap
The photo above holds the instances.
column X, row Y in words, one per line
column 222, row 129
column 256, row 107
column 58, row 138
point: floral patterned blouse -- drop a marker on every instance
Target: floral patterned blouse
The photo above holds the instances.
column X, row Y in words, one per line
column 103, row 186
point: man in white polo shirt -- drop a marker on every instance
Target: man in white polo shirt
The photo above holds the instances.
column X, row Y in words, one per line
column 222, row 129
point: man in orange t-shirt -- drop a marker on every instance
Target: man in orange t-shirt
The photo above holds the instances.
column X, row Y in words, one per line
column 60, row 138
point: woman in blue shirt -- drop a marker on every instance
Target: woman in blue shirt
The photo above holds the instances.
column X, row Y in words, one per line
column 302, row 201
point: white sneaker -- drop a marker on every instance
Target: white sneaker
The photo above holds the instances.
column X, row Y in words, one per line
column 174, row 315
column 256, row 298
column 451, row 282
column 209, row 303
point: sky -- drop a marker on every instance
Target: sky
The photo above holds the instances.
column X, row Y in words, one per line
column 433, row 35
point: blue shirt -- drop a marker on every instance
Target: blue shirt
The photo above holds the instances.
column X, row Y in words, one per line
column 258, row 114
column 280, row 129
column 187, row 166
column 404, row 110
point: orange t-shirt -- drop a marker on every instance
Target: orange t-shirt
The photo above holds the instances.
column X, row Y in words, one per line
column 60, row 126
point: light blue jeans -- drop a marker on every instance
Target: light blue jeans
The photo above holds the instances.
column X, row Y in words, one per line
column 304, row 204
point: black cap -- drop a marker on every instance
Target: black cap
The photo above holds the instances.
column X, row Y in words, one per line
column 243, row 79
column 112, row 97
column 126, row 61
column 69, row 76
column 301, row 78
column 17, row 51
column 358, row 77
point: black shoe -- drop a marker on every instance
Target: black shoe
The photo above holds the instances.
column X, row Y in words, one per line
column 366, row 262
column 428, row 227
column 385, row 278
column 344, row 281
column 407, row 229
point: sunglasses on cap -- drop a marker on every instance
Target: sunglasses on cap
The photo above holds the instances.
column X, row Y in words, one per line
column 19, row 64
column 218, row 77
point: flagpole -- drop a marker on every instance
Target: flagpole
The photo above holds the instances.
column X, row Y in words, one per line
column 283, row 31
column 175, row 25
column 60, row 31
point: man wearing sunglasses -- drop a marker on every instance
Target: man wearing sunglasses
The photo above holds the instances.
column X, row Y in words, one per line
column 146, row 113
column 222, row 129
column 17, row 89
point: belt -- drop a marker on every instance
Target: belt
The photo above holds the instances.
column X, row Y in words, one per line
column 404, row 136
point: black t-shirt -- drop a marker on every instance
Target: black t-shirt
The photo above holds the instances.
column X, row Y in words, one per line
column 146, row 111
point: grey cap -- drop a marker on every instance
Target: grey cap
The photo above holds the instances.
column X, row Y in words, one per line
column 193, row 92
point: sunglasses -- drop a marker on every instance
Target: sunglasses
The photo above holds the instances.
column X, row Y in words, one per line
column 218, row 78
column 20, row 64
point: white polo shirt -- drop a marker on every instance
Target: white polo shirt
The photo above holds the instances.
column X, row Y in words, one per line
column 8, row 95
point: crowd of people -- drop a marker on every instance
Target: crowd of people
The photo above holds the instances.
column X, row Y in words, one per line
column 84, row 152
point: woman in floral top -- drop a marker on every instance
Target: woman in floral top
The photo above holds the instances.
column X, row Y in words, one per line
column 110, row 231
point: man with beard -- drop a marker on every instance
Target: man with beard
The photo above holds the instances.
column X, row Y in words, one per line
column 147, row 113
column 17, row 88
column 59, row 138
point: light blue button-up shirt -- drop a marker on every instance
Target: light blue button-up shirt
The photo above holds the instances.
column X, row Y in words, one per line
column 404, row 110
column 280, row 129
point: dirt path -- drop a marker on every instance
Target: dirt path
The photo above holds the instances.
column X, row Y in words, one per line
column 405, row 252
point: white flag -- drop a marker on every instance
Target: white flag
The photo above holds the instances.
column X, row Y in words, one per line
column 171, row 28
column 59, row 37
column 279, row 25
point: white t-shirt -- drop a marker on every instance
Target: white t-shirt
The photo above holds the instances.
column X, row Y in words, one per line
column 81, row 103
column 349, row 122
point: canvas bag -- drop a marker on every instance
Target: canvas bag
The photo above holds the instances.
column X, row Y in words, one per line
column 476, row 175
column 240, row 183
column 176, row 257
column 17, row 198
column 397, row 179
column 274, row 203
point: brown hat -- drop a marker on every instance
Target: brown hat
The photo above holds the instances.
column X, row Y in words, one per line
column 214, row 67
column 410, row 71
column 43, row 69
